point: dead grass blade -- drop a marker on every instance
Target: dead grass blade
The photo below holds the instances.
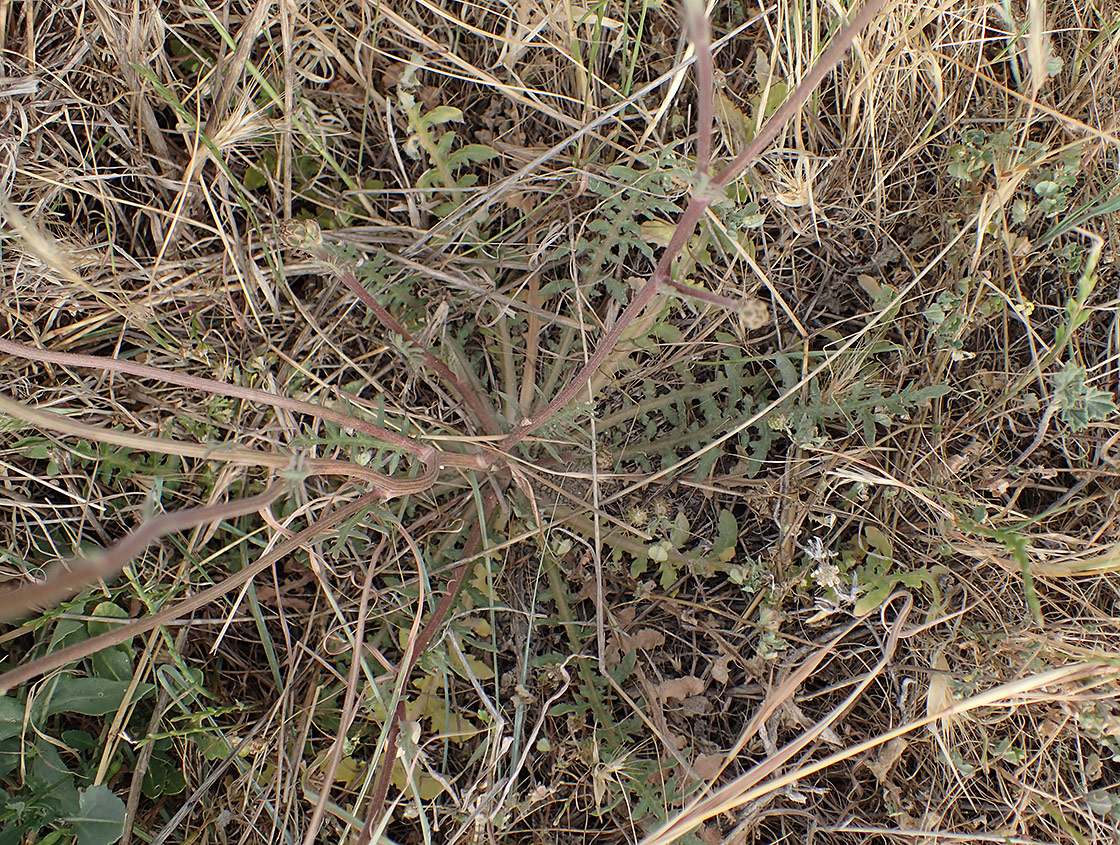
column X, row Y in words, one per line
column 748, row 787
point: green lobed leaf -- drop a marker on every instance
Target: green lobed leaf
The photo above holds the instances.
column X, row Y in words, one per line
column 727, row 536
column 442, row 114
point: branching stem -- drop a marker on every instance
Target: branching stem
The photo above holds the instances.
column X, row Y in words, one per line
column 699, row 202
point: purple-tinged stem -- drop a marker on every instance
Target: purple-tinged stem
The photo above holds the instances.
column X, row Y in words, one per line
column 307, row 237
column 831, row 57
column 481, row 415
column 82, row 573
column 697, row 22
column 78, row 651
column 96, row 362
column 377, row 806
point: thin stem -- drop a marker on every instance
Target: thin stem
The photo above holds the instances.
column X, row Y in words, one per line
column 307, row 237
column 416, row 648
column 697, row 22
column 828, row 60
column 113, row 365
column 82, row 573
column 387, row 486
column 705, row 295
column 79, row 651
column 642, row 298
column 349, row 708
column 481, row 415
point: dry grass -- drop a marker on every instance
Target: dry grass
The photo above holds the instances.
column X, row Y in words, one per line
column 910, row 636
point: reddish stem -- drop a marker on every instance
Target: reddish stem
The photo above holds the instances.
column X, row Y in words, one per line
column 321, row 254
column 642, row 298
column 108, row 563
column 831, row 57
column 377, row 807
column 697, row 22
column 482, row 416
column 113, row 365
column 79, row 651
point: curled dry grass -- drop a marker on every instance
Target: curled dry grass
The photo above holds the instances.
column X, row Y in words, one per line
column 576, row 696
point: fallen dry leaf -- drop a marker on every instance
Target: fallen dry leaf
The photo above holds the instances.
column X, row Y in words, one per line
column 720, row 673
column 707, row 766
column 889, row 754
column 681, row 688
